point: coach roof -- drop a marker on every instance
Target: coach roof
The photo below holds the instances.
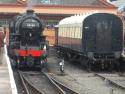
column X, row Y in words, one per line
column 75, row 19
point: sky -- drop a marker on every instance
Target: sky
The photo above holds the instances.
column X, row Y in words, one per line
column 119, row 3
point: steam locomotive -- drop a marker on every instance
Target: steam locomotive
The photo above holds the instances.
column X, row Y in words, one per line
column 94, row 39
column 27, row 44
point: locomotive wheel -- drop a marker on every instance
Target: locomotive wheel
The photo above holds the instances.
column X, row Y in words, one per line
column 90, row 65
column 68, row 56
column 111, row 66
column 45, row 65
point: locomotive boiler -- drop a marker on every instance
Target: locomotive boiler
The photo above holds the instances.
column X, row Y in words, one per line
column 27, row 45
column 96, row 40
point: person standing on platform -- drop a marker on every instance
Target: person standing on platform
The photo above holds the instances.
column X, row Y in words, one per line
column 2, row 36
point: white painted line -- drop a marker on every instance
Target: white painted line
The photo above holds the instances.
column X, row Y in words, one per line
column 12, row 81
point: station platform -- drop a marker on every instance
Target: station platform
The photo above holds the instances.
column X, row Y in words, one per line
column 7, row 83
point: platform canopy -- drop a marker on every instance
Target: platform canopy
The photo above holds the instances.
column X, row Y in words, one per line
column 58, row 2
column 54, row 10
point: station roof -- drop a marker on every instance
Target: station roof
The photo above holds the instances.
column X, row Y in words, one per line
column 56, row 7
column 59, row 2
column 8, row 1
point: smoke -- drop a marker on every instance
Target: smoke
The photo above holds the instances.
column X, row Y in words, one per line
column 31, row 4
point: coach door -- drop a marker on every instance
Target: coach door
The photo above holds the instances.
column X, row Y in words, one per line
column 103, row 35
column 98, row 33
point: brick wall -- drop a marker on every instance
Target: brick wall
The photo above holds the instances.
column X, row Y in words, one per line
column 50, row 35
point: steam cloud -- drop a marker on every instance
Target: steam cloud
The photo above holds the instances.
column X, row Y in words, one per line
column 31, row 4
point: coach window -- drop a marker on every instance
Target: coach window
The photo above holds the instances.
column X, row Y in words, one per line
column 66, row 36
column 65, row 31
column 59, row 34
column 63, row 36
column 71, row 33
column 68, row 31
column 80, row 32
column 76, row 32
column 70, row 36
column 60, row 31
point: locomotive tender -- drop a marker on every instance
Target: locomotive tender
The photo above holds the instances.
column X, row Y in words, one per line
column 27, row 46
column 96, row 39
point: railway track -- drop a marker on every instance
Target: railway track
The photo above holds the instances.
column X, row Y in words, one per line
column 66, row 89
column 42, row 83
column 117, row 80
column 80, row 79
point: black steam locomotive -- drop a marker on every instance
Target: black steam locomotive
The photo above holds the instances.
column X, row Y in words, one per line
column 27, row 45
column 96, row 40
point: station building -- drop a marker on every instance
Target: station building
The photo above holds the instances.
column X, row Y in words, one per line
column 52, row 11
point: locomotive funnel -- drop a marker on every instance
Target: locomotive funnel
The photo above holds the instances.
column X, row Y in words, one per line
column 30, row 11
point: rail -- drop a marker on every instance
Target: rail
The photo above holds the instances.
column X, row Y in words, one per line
column 31, row 88
column 65, row 89
column 28, row 86
column 110, row 81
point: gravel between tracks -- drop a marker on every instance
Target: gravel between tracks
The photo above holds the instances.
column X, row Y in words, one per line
column 80, row 80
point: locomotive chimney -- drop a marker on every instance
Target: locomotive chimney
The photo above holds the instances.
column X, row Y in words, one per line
column 30, row 11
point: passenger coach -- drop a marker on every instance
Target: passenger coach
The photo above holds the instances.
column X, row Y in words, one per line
column 93, row 39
